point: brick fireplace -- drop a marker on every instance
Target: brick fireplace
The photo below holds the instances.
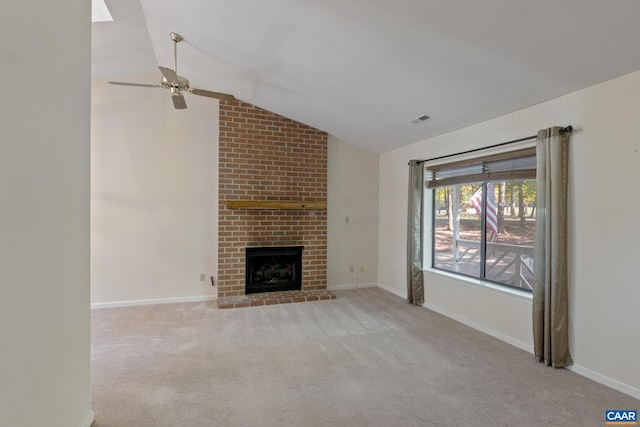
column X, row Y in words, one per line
column 280, row 166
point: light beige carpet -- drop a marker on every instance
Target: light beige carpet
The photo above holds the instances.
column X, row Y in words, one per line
column 364, row 359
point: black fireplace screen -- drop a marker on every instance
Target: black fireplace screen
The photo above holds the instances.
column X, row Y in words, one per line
column 273, row 268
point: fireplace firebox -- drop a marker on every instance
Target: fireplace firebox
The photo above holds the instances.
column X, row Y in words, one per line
column 273, row 268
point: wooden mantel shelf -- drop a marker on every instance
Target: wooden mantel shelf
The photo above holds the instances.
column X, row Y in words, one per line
column 276, row 205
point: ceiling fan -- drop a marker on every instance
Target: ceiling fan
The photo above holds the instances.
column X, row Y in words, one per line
column 178, row 84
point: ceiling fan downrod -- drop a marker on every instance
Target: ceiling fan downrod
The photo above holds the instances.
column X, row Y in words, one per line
column 177, row 38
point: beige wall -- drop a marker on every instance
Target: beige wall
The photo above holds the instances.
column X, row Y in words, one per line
column 44, row 214
column 603, row 210
column 353, row 193
column 153, row 194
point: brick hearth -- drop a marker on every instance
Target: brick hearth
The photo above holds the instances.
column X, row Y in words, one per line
column 270, row 298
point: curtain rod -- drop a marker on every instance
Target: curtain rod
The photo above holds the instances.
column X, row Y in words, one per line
column 567, row 129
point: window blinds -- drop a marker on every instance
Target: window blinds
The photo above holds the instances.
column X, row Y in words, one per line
column 513, row 165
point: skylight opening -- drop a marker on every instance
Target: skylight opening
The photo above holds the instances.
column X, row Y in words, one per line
column 100, row 12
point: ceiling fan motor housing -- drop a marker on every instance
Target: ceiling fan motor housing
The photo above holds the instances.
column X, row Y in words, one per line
column 183, row 84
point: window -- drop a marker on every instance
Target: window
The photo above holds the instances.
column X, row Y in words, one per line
column 484, row 217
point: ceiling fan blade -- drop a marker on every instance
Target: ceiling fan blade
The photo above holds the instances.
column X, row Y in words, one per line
column 170, row 75
column 178, row 101
column 211, row 94
column 133, row 84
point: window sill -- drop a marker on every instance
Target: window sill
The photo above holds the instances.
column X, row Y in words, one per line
column 504, row 291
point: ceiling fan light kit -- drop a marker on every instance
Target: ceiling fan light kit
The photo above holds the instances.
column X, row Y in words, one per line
column 178, row 84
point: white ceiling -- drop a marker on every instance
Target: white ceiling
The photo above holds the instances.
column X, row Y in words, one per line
column 361, row 70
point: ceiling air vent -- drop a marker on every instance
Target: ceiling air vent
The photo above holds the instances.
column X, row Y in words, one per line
column 420, row 119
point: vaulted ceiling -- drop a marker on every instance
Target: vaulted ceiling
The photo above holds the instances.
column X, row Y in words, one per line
column 361, row 70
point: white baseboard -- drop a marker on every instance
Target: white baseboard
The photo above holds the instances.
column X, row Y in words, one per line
column 602, row 379
column 89, row 420
column 131, row 303
column 509, row 340
column 401, row 294
column 351, row 286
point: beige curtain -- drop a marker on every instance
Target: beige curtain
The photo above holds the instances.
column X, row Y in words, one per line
column 415, row 220
column 550, row 299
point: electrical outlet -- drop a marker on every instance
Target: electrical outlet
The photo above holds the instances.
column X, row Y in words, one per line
column 351, row 269
column 362, row 269
column 203, row 277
